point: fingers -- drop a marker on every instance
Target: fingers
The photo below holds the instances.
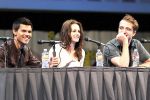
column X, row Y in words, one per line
column 54, row 61
column 121, row 37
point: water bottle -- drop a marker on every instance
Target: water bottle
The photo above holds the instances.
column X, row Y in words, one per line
column 99, row 58
column 45, row 59
column 135, row 58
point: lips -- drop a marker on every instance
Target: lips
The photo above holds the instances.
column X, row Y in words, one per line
column 26, row 39
column 77, row 38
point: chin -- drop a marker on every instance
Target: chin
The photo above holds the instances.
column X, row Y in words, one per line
column 76, row 40
column 25, row 43
column 129, row 40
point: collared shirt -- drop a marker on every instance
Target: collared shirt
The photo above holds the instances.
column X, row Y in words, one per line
column 114, row 49
column 9, row 56
column 64, row 57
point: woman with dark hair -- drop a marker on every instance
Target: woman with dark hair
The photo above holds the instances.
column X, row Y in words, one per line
column 70, row 54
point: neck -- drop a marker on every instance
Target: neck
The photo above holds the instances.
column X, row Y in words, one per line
column 18, row 44
column 72, row 46
column 129, row 40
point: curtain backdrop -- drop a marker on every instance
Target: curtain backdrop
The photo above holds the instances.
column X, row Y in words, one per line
column 75, row 84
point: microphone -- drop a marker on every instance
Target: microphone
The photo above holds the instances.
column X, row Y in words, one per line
column 48, row 41
column 5, row 38
column 94, row 41
column 144, row 41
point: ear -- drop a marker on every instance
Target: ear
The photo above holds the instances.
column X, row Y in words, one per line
column 14, row 32
column 134, row 32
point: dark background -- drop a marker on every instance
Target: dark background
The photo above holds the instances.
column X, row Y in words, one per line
column 52, row 20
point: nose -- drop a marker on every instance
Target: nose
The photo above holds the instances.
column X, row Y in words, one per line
column 28, row 35
column 123, row 31
column 77, row 33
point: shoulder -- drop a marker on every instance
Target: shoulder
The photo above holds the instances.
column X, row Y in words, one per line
column 111, row 41
column 83, row 52
column 26, row 48
column 112, row 44
column 57, row 48
column 135, row 42
column 7, row 44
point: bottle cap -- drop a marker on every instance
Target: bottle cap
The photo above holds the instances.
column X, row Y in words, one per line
column 45, row 50
column 98, row 50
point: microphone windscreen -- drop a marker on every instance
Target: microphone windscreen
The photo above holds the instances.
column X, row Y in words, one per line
column 143, row 40
column 39, row 42
column 86, row 39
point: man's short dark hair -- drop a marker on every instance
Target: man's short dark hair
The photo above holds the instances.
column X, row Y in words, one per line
column 22, row 20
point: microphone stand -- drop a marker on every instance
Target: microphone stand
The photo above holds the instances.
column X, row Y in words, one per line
column 54, row 51
column 98, row 46
column 50, row 43
column 5, row 53
column 5, row 39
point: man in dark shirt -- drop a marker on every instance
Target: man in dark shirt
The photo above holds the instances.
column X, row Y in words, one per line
column 118, row 52
column 15, row 53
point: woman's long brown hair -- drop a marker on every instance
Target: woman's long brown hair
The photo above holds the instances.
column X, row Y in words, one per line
column 65, row 35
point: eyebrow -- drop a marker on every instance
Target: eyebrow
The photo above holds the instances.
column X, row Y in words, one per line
column 24, row 30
